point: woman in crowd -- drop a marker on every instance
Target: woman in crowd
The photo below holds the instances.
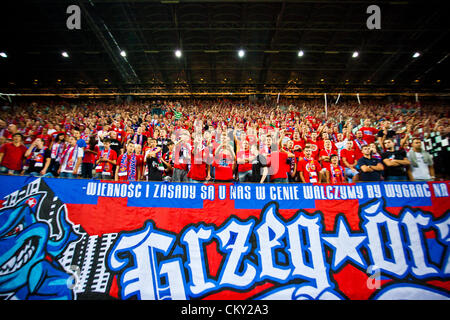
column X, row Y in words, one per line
column 57, row 149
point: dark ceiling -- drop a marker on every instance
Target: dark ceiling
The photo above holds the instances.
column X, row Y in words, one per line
column 209, row 33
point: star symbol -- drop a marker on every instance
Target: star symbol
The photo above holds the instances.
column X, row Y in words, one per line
column 31, row 202
column 346, row 245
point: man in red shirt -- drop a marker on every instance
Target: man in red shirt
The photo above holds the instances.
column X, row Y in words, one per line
column 224, row 164
column 279, row 166
column 106, row 160
column 325, row 154
column 299, row 143
column 324, row 136
column 368, row 133
column 314, row 145
column 200, row 169
column 244, row 160
column 349, row 160
column 12, row 155
column 309, row 169
column 117, row 128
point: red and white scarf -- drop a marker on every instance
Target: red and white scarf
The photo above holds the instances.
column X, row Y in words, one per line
column 69, row 157
column 128, row 168
column 104, row 167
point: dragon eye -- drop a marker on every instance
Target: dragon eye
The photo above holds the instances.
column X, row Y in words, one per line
column 16, row 230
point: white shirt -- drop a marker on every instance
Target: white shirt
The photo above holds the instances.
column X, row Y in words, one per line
column 421, row 172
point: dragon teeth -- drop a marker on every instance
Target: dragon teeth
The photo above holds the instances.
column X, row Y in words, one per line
column 11, row 263
column 17, row 261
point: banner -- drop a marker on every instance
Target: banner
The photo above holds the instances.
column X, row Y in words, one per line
column 91, row 239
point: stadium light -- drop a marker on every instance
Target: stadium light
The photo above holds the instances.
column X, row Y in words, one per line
column 416, row 55
column 301, row 53
column 178, row 53
column 355, row 54
column 3, row 55
column 241, row 53
column 65, row 54
column 123, row 53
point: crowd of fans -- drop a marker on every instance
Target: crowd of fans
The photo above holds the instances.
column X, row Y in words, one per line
column 226, row 141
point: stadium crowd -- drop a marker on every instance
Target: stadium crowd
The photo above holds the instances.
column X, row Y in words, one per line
column 226, row 140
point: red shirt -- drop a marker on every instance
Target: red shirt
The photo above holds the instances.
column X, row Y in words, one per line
column 246, row 166
column 326, row 153
column 106, row 166
column 357, row 144
column 224, row 170
column 315, row 149
column 13, row 156
column 320, row 144
column 198, row 170
column 300, row 143
column 120, row 134
column 279, row 165
column 310, row 169
column 349, row 155
column 369, row 134
column 90, row 157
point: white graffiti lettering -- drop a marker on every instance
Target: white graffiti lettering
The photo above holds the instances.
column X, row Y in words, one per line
column 154, row 264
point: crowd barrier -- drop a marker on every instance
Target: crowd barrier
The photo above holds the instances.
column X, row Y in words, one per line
column 90, row 239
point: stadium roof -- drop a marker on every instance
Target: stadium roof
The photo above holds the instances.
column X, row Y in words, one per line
column 209, row 34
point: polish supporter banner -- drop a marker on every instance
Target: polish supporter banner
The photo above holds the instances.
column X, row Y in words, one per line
column 90, row 239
